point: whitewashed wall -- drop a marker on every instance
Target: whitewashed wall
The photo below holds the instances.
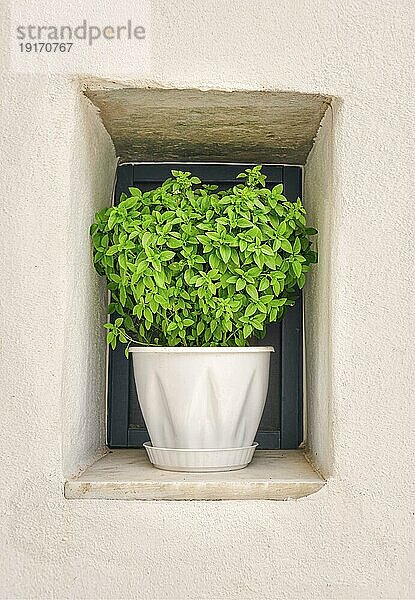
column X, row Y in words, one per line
column 354, row 538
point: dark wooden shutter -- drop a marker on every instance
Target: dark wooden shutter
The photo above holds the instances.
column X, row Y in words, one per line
column 282, row 422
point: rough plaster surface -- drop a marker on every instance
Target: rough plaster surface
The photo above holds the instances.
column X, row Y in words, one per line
column 319, row 202
column 91, row 181
column 354, row 538
column 195, row 125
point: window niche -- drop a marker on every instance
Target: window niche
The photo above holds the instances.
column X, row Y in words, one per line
column 158, row 126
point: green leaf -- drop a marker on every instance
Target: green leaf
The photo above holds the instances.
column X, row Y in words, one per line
column 276, row 287
column 159, row 278
column 225, row 253
column 128, row 323
column 277, row 189
column 244, row 223
column 129, row 203
column 145, row 240
column 174, row 243
column 252, row 291
column 282, row 228
column 162, row 300
column 135, row 277
column 214, row 261
column 264, row 284
column 141, row 266
column 297, row 246
column 301, row 281
column 148, row 315
column 250, row 310
column 135, row 191
column 279, row 302
column 267, row 250
column 166, row 255
column 112, row 219
column 240, row 284
column 200, row 327
column 122, row 261
column 279, row 274
column 259, row 259
column 153, row 304
column 297, row 268
column 247, row 331
column 156, row 264
column 243, row 245
column 270, row 262
column 285, row 245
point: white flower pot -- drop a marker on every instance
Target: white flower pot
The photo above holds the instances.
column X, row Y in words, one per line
column 199, row 401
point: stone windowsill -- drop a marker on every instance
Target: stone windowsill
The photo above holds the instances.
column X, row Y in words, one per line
column 128, row 475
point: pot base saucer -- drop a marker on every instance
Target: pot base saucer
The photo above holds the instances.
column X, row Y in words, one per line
column 200, row 460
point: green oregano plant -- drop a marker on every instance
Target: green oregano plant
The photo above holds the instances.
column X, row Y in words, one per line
column 189, row 265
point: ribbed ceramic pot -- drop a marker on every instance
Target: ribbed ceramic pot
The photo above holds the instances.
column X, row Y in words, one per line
column 202, row 398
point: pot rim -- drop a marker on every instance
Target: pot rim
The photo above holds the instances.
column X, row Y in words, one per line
column 202, row 349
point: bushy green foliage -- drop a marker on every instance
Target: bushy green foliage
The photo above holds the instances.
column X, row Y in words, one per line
column 188, row 265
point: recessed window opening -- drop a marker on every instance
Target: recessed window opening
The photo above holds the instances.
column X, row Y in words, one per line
column 281, row 425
